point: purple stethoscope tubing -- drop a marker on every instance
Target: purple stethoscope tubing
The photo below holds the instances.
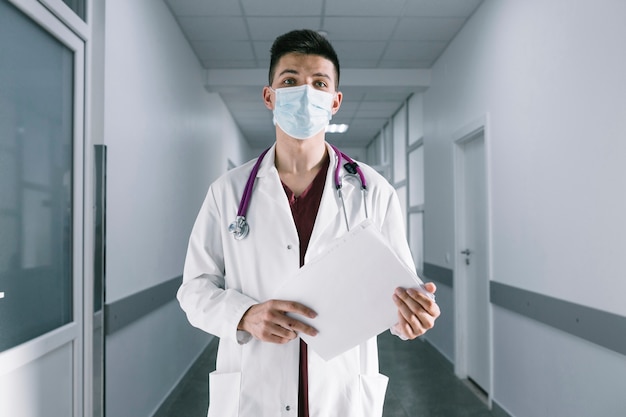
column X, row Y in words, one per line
column 247, row 192
column 240, row 228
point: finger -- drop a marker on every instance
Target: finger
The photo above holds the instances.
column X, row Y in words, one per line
column 279, row 334
column 294, row 307
column 423, row 306
column 412, row 316
column 404, row 310
column 297, row 326
column 414, row 299
column 417, row 300
column 408, row 324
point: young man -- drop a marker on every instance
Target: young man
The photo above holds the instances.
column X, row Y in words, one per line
column 263, row 368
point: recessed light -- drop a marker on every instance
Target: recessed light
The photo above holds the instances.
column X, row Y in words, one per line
column 342, row 128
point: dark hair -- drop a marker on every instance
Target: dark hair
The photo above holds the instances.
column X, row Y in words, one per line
column 305, row 41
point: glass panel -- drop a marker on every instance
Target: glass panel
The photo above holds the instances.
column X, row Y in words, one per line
column 386, row 145
column 415, row 122
column 401, row 191
column 373, row 152
column 36, row 76
column 416, row 239
column 78, row 6
column 416, row 177
column 399, row 146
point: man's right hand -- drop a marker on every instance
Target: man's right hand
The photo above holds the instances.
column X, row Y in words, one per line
column 269, row 321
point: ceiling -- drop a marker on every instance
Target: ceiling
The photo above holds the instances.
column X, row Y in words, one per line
column 385, row 49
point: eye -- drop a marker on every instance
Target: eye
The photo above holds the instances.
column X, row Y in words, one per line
column 289, row 82
column 321, row 84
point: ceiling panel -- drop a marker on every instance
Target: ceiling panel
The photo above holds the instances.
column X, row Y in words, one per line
column 268, row 28
column 282, row 7
column 218, row 63
column 204, row 8
column 367, row 34
column 370, row 51
column 359, row 28
column 428, row 29
column 205, row 28
column 414, row 50
column 364, row 8
column 441, row 8
column 223, row 50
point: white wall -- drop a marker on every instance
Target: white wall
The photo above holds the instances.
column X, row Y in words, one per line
column 167, row 139
column 550, row 76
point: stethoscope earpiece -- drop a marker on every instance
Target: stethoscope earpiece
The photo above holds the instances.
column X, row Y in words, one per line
column 351, row 168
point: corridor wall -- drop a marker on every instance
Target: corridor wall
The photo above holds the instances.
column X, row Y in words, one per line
column 549, row 78
column 167, row 139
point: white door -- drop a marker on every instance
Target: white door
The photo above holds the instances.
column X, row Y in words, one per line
column 41, row 213
column 476, row 262
column 473, row 260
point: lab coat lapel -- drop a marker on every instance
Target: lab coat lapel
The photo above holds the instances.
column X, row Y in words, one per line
column 269, row 185
column 330, row 212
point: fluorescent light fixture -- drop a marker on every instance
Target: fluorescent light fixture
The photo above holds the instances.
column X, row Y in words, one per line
column 336, row 128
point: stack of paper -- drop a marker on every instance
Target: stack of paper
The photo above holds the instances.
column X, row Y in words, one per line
column 350, row 286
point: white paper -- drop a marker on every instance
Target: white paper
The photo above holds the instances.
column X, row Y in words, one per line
column 350, row 287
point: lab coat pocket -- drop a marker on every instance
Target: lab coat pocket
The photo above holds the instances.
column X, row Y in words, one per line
column 373, row 388
column 224, row 392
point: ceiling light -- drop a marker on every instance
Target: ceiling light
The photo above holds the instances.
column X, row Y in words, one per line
column 336, row 128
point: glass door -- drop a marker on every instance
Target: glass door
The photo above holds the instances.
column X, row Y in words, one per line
column 41, row 213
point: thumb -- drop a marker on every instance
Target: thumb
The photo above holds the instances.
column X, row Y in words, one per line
column 430, row 287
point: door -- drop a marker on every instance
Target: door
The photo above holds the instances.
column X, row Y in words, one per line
column 41, row 213
column 472, row 285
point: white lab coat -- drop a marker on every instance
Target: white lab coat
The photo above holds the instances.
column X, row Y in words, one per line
column 223, row 277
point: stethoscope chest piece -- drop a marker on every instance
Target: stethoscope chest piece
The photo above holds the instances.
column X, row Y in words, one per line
column 239, row 228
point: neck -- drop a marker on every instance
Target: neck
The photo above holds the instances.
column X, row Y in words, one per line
column 295, row 156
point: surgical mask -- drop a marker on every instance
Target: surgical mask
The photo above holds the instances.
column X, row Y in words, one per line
column 302, row 111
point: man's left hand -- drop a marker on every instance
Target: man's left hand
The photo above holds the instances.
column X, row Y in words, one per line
column 416, row 311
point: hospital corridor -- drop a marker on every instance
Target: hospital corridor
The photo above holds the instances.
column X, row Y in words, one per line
column 148, row 217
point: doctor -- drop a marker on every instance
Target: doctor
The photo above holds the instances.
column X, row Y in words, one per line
column 293, row 212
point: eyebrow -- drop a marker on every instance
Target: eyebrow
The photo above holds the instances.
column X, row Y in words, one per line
column 292, row 71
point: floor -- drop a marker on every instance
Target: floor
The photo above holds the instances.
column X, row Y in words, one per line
column 425, row 388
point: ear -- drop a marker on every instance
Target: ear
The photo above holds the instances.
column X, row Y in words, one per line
column 337, row 102
column 268, row 98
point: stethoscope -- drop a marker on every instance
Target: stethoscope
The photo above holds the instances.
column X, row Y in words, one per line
column 240, row 227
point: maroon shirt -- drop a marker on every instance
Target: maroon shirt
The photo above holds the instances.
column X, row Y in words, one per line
column 304, row 210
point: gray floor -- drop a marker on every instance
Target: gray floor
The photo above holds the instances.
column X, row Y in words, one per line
column 421, row 383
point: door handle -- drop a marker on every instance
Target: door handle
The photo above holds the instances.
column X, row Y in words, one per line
column 466, row 252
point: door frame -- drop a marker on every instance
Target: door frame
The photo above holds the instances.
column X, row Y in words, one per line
column 56, row 19
column 460, row 137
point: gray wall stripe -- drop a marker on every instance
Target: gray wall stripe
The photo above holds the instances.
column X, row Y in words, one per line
column 125, row 311
column 597, row 326
column 439, row 274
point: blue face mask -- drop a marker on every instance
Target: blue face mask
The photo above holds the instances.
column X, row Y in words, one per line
column 302, row 112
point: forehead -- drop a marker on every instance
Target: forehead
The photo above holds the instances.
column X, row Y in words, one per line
column 305, row 64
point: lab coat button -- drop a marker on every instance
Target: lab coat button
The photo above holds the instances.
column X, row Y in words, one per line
column 288, row 408
column 289, row 248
